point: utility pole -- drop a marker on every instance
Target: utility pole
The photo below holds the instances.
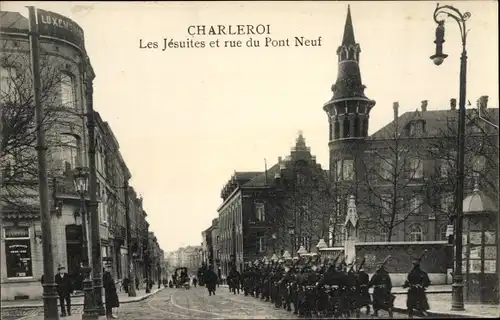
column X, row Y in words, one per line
column 94, row 214
column 49, row 287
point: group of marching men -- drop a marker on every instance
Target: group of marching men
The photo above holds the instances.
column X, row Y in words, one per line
column 326, row 288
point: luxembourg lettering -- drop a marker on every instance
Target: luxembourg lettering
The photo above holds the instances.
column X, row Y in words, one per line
column 55, row 25
column 201, row 36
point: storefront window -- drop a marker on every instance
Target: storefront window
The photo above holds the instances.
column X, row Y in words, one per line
column 18, row 252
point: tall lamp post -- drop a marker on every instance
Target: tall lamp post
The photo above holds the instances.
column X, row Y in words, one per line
column 81, row 181
column 438, row 58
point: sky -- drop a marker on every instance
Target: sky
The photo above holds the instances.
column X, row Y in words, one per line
column 187, row 118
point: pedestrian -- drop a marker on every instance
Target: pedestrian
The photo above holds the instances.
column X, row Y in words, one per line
column 211, row 280
column 64, row 289
column 417, row 282
column 111, row 297
column 125, row 284
column 195, row 281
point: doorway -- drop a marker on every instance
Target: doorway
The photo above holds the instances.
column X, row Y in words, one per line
column 74, row 247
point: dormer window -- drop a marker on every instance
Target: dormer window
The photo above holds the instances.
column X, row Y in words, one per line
column 416, row 128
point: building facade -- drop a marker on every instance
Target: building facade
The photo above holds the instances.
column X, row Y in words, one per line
column 65, row 94
column 62, row 76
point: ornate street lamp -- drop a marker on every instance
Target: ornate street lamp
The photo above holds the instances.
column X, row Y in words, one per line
column 438, row 58
column 81, row 183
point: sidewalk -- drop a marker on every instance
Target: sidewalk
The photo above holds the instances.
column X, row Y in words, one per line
column 78, row 301
column 439, row 297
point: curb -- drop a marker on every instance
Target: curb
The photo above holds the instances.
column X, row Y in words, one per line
column 40, row 304
column 444, row 314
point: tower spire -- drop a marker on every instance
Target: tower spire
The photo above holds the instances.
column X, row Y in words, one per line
column 349, row 108
column 348, row 29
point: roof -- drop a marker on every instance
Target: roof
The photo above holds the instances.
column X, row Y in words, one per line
column 478, row 201
column 13, row 22
column 348, row 29
column 264, row 179
column 436, row 121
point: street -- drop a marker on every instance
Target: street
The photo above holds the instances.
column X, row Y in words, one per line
column 187, row 304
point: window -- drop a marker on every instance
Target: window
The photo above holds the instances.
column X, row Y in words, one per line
column 416, row 128
column 447, row 203
column 345, row 170
column 68, row 150
column 261, row 244
column 9, row 92
column 416, row 204
column 260, row 211
column 416, row 168
column 416, row 233
column 18, row 252
column 446, row 168
column 348, row 170
column 67, row 91
column 478, row 164
column 386, row 169
column 386, row 204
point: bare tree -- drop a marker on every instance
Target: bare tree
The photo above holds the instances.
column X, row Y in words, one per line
column 481, row 160
column 394, row 181
column 307, row 204
column 19, row 166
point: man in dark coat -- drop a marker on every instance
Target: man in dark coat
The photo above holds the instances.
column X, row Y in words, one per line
column 382, row 296
column 111, row 297
column 364, row 293
column 417, row 281
column 210, row 280
column 64, row 289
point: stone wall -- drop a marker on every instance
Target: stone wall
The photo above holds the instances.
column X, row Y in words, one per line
column 434, row 262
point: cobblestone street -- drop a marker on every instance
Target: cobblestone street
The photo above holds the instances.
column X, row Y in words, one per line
column 184, row 304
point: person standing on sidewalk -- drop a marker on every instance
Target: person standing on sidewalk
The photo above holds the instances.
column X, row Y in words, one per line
column 417, row 282
column 64, row 289
column 109, row 292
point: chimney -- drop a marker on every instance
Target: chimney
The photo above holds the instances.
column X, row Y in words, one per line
column 395, row 106
column 424, row 105
column 453, row 104
column 482, row 103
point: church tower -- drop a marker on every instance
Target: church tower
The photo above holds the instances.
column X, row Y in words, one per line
column 349, row 109
column 348, row 113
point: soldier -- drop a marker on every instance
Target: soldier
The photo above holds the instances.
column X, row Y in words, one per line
column 352, row 292
column 382, row 297
column 364, row 293
column 417, row 281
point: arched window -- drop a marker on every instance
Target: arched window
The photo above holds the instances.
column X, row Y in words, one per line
column 67, row 91
column 415, row 233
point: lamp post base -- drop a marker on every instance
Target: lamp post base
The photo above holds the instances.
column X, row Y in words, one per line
column 50, row 298
column 89, row 311
column 457, row 293
column 99, row 305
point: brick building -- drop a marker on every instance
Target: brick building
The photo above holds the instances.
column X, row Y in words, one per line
column 268, row 212
column 402, row 175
